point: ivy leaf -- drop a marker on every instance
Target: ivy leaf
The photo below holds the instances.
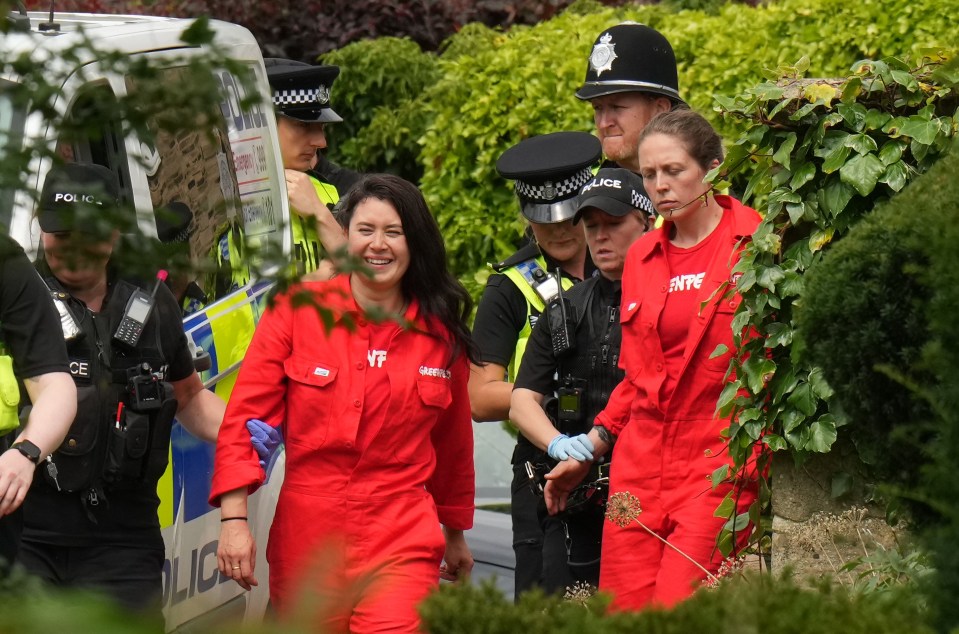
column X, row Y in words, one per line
column 836, row 158
column 841, row 484
column 851, row 89
column 822, row 434
column 758, row 369
column 778, row 334
column 803, row 399
column 818, row 383
column 834, row 197
column 905, row 79
column 774, row 442
column 717, row 477
column 726, row 398
column 862, row 172
column 770, row 276
column 876, row 119
column 862, row 143
column 891, row 152
column 853, row 114
column 720, row 350
column 821, row 92
column 784, row 152
column 802, row 175
column 919, row 129
column 895, row 175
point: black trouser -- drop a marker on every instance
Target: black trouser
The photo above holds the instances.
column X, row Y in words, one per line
column 10, row 528
column 10, row 525
column 130, row 576
column 527, row 533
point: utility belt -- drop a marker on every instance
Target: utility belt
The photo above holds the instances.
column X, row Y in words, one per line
column 566, row 410
column 119, row 449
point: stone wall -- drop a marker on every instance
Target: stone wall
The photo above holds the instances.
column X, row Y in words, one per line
column 816, row 533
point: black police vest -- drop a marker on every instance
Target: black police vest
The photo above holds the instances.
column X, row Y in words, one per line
column 125, row 407
column 593, row 362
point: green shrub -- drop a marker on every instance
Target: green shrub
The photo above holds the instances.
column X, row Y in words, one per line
column 521, row 83
column 743, row 605
column 878, row 315
column 863, row 320
column 375, row 94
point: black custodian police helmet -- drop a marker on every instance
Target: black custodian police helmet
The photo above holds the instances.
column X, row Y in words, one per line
column 631, row 57
column 549, row 170
column 302, row 91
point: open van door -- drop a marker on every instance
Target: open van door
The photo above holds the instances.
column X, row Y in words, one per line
column 214, row 192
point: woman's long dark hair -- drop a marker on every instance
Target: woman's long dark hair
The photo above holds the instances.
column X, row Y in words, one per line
column 428, row 279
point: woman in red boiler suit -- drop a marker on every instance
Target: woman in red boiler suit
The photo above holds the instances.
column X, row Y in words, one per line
column 677, row 307
column 376, row 417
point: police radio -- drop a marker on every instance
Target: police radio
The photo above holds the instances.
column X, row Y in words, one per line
column 138, row 311
column 559, row 313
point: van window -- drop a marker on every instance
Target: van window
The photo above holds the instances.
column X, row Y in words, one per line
column 11, row 137
column 210, row 187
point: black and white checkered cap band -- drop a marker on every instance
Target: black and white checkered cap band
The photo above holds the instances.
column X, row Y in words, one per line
column 642, row 202
column 550, row 191
column 301, row 96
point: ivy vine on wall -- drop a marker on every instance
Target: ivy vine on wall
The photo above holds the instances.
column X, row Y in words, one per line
column 816, row 156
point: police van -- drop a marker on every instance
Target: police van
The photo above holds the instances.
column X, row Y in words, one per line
column 228, row 175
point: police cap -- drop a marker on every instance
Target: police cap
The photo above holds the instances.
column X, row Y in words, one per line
column 631, row 57
column 302, row 91
column 549, row 170
column 79, row 197
column 616, row 191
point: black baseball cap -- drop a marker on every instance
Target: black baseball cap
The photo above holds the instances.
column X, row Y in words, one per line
column 302, row 91
column 616, row 191
column 81, row 197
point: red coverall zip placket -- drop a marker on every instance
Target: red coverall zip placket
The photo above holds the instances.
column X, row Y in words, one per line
column 667, row 449
column 357, row 523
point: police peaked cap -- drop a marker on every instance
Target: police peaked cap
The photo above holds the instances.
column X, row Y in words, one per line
column 302, row 91
column 549, row 170
column 631, row 57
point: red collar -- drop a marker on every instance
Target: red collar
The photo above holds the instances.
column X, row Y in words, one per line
column 744, row 222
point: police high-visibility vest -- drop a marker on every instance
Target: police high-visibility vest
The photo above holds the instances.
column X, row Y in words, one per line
column 307, row 250
column 521, row 275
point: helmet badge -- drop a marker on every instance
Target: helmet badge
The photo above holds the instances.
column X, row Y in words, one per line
column 323, row 94
column 603, row 55
column 549, row 190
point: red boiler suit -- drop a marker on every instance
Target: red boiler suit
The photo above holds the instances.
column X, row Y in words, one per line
column 668, row 447
column 357, row 526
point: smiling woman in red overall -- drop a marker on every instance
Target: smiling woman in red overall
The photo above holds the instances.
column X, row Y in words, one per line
column 675, row 311
column 379, row 445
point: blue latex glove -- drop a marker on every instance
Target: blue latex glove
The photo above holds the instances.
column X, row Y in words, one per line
column 578, row 447
column 265, row 439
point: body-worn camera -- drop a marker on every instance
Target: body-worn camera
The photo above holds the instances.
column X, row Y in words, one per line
column 569, row 404
column 144, row 388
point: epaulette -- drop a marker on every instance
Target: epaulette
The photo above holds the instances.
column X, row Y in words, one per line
column 525, row 253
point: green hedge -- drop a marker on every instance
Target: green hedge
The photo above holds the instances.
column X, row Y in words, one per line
column 742, row 605
column 879, row 316
column 493, row 89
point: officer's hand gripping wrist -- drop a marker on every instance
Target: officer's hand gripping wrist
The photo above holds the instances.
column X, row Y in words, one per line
column 265, row 439
column 562, row 447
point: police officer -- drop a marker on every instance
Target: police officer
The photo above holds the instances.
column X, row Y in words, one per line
column 630, row 78
column 31, row 353
column 93, row 522
column 301, row 98
column 577, row 377
column 549, row 171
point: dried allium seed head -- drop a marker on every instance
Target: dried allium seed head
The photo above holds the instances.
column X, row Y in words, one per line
column 622, row 508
